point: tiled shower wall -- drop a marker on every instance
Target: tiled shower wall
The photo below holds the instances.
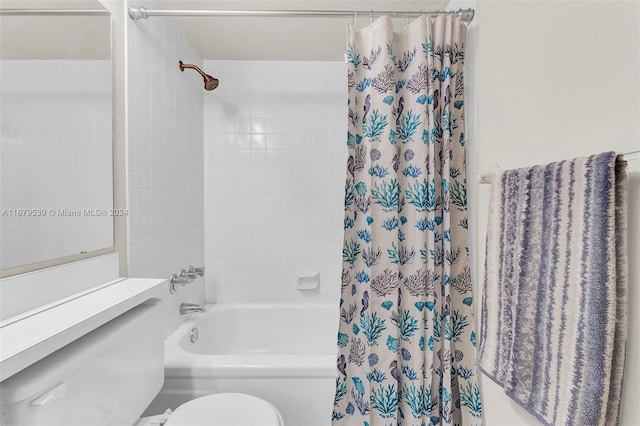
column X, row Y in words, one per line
column 275, row 161
column 164, row 159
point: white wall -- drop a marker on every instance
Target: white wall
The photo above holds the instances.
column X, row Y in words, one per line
column 56, row 156
column 557, row 80
column 164, row 158
column 275, row 161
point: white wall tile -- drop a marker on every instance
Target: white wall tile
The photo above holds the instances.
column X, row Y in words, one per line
column 275, row 167
column 166, row 165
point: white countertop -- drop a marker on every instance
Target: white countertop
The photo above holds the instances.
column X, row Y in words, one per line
column 29, row 337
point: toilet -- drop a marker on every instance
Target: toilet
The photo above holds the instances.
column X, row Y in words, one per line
column 231, row 409
column 228, row 409
column 110, row 376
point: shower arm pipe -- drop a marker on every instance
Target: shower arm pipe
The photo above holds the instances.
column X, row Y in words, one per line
column 140, row 12
column 184, row 66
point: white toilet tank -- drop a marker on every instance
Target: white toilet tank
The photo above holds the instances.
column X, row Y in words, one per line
column 107, row 377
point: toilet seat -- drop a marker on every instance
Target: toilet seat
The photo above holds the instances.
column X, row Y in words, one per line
column 226, row 409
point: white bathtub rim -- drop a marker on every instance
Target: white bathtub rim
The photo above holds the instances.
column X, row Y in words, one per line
column 180, row 363
column 243, row 367
column 231, row 306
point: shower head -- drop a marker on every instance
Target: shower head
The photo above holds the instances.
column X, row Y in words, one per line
column 210, row 83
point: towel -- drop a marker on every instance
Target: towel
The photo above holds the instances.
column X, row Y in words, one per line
column 554, row 308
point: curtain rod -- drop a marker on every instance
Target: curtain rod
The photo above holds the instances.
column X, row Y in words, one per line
column 51, row 12
column 140, row 12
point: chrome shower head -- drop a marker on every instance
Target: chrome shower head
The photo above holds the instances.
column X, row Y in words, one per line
column 210, row 83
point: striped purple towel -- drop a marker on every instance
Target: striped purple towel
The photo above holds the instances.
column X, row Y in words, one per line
column 554, row 308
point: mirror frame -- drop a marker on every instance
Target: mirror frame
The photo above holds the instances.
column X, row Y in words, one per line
column 118, row 137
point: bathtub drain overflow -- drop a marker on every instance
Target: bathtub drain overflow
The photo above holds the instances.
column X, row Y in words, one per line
column 194, row 335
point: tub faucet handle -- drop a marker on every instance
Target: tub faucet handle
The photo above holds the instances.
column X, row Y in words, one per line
column 182, row 279
column 193, row 271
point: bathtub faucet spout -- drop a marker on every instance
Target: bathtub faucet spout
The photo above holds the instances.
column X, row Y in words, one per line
column 189, row 308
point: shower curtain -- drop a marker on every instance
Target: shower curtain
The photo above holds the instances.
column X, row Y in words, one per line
column 406, row 341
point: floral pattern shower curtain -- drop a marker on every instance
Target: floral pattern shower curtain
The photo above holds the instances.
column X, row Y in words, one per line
column 406, row 340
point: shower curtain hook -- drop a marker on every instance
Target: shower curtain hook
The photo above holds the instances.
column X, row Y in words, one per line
column 371, row 16
column 407, row 16
column 355, row 16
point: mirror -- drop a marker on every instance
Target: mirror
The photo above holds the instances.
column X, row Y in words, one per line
column 56, row 153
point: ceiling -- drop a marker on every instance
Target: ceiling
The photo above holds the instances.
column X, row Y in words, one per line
column 268, row 38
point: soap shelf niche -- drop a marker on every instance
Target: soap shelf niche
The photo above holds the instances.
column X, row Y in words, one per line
column 308, row 281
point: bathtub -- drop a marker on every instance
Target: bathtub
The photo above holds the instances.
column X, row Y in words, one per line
column 285, row 354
